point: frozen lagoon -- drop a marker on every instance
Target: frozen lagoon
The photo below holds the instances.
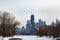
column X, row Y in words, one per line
column 29, row 37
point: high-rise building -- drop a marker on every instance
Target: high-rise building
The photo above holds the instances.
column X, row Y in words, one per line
column 32, row 19
column 41, row 23
column 28, row 27
column 57, row 21
column 32, row 25
column 44, row 23
column 23, row 30
column 36, row 25
column 17, row 30
column 53, row 24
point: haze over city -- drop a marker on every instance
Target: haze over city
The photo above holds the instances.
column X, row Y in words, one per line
column 47, row 10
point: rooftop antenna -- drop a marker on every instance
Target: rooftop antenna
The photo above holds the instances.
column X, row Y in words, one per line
column 32, row 12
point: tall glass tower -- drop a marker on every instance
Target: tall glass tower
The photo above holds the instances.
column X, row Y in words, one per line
column 32, row 18
column 32, row 25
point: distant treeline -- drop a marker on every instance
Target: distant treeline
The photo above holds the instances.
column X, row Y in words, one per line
column 49, row 31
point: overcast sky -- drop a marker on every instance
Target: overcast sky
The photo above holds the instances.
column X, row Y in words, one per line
column 47, row 10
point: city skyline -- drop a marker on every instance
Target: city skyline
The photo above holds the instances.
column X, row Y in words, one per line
column 32, row 27
column 47, row 10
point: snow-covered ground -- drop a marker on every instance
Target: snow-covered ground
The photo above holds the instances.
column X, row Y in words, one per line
column 1, row 38
column 28, row 37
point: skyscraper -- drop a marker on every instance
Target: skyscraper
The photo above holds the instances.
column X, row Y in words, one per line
column 28, row 27
column 41, row 23
column 32, row 25
column 57, row 22
column 44, row 23
column 32, row 19
column 53, row 24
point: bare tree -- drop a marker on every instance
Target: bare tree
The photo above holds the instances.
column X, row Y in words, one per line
column 8, row 24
